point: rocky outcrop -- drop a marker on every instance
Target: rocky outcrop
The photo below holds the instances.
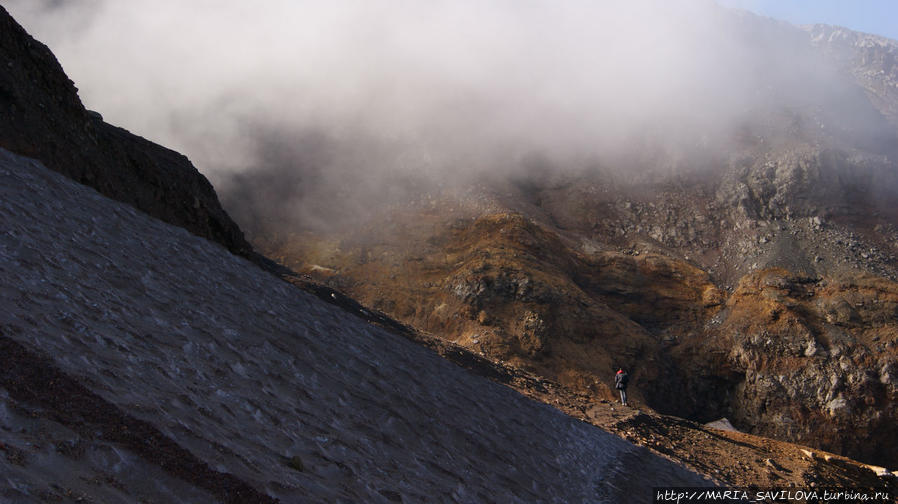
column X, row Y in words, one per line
column 719, row 296
column 812, row 360
column 42, row 117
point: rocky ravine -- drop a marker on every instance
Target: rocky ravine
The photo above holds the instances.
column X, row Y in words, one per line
column 752, row 282
column 771, row 352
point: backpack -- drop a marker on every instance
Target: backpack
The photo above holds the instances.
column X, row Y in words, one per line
column 621, row 380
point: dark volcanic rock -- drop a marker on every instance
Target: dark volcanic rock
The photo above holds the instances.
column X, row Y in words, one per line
column 799, row 358
column 41, row 116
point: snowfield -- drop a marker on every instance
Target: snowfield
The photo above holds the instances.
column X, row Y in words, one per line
column 256, row 378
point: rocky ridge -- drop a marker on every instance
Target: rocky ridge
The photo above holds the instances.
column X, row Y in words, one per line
column 871, row 59
column 41, row 116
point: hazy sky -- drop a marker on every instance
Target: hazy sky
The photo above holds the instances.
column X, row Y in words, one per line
column 879, row 17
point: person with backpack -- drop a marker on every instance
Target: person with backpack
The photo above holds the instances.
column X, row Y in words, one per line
column 621, row 379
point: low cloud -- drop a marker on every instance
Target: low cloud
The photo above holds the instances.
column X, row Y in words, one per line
column 295, row 105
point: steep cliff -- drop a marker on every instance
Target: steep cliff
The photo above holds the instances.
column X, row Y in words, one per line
column 41, row 116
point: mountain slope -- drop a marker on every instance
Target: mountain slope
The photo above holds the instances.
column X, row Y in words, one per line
column 257, row 379
column 578, row 285
column 750, row 276
column 128, row 350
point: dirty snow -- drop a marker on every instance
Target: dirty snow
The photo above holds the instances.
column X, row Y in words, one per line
column 722, row 424
column 246, row 371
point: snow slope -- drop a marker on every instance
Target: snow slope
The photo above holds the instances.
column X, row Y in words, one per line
column 257, row 378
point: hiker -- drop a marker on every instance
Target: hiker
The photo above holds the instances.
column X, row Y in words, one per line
column 620, row 383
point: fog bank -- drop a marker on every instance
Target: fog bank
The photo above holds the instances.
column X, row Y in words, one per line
column 283, row 100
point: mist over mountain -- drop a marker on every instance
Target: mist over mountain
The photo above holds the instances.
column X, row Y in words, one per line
column 303, row 111
column 702, row 195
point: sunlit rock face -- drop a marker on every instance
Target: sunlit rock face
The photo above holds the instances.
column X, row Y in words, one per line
column 745, row 277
